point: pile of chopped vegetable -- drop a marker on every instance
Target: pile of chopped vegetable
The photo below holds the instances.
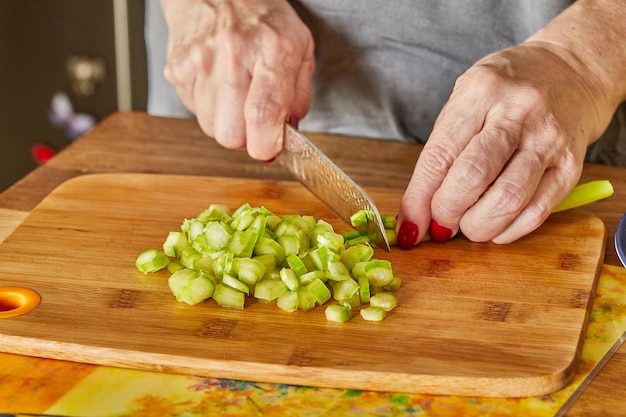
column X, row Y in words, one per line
column 296, row 261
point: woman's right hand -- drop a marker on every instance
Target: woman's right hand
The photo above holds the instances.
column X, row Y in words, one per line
column 243, row 67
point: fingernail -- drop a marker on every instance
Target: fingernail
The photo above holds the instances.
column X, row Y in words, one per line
column 407, row 235
column 293, row 121
column 439, row 233
column 269, row 160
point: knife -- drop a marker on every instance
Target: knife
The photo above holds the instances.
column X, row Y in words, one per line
column 329, row 183
column 620, row 240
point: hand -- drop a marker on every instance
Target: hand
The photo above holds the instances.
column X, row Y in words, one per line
column 242, row 67
column 505, row 150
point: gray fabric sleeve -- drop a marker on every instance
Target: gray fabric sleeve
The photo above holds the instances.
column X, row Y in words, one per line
column 162, row 97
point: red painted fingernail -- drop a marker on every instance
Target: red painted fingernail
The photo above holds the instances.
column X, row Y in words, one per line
column 293, row 121
column 439, row 233
column 407, row 235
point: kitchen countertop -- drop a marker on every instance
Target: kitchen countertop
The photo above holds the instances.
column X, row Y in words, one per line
column 136, row 142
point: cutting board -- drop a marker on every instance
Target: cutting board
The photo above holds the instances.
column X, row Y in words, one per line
column 474, row 318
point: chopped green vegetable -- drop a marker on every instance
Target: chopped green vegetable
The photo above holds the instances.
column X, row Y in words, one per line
column 385, row 300
column 389, row 222
column 585, row 194
column 296, row 261
column 364, row 289
column 373, row 313
column 290, row 279
column 151, row 260
column 310, row 276
column 288, row 301
column 319, row 290
column 392, row 237
column 188, row 256
column 337, row 271
column 345, row 290
column 351, row 235
column 360, row 218
column 378, row 272
column 320, row 257
column 203, row 263
column 270, row 289
column 356, row 253
column 228, row 297
column 235, row 284
column 190, row 286
column 217, row 235
column 249, row 270
column 290, row 243
column 354, row 301
column 394, row 285
column 173, row 267
column 333, row 241
column 306, row 299
column 242, row 242
column 223, row 264
column 193, row 228
column 174, row 244
column 181, row 279
column 214, row 212
column 296, row 264
column 268, row 246
column 338, row 313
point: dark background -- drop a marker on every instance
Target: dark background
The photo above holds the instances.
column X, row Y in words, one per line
column 37, row 37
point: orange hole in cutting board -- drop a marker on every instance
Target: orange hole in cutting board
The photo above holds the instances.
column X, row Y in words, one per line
column 15, row 301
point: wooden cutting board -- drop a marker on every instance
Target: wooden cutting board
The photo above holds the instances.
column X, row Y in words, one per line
column 474, row 319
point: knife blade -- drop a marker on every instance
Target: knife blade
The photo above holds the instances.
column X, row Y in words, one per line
column 329, row 183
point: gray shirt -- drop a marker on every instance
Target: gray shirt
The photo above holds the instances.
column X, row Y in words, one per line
column 386, row 68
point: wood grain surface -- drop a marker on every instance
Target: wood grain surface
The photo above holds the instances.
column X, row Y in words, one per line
column 9, row 219
column 474, row 319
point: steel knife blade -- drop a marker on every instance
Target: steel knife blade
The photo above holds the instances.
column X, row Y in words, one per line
column 329, row 183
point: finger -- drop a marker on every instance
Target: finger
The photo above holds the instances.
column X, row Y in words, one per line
column 474, row 171
column 229, row 121
column 266, row 109
column 552, row 188
column 203, row 92
column 505, row 198
column 203, row 99
column 415, row 214
column 518, row 180
column 454, row 128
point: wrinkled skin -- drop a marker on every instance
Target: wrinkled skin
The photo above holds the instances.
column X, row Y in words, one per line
column 509, row 144
column 507, row 147
column 242, row 67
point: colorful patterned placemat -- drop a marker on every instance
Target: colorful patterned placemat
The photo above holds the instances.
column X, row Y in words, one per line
column 33, row 385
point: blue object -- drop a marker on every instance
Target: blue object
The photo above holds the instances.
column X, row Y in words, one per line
column 620, row 240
